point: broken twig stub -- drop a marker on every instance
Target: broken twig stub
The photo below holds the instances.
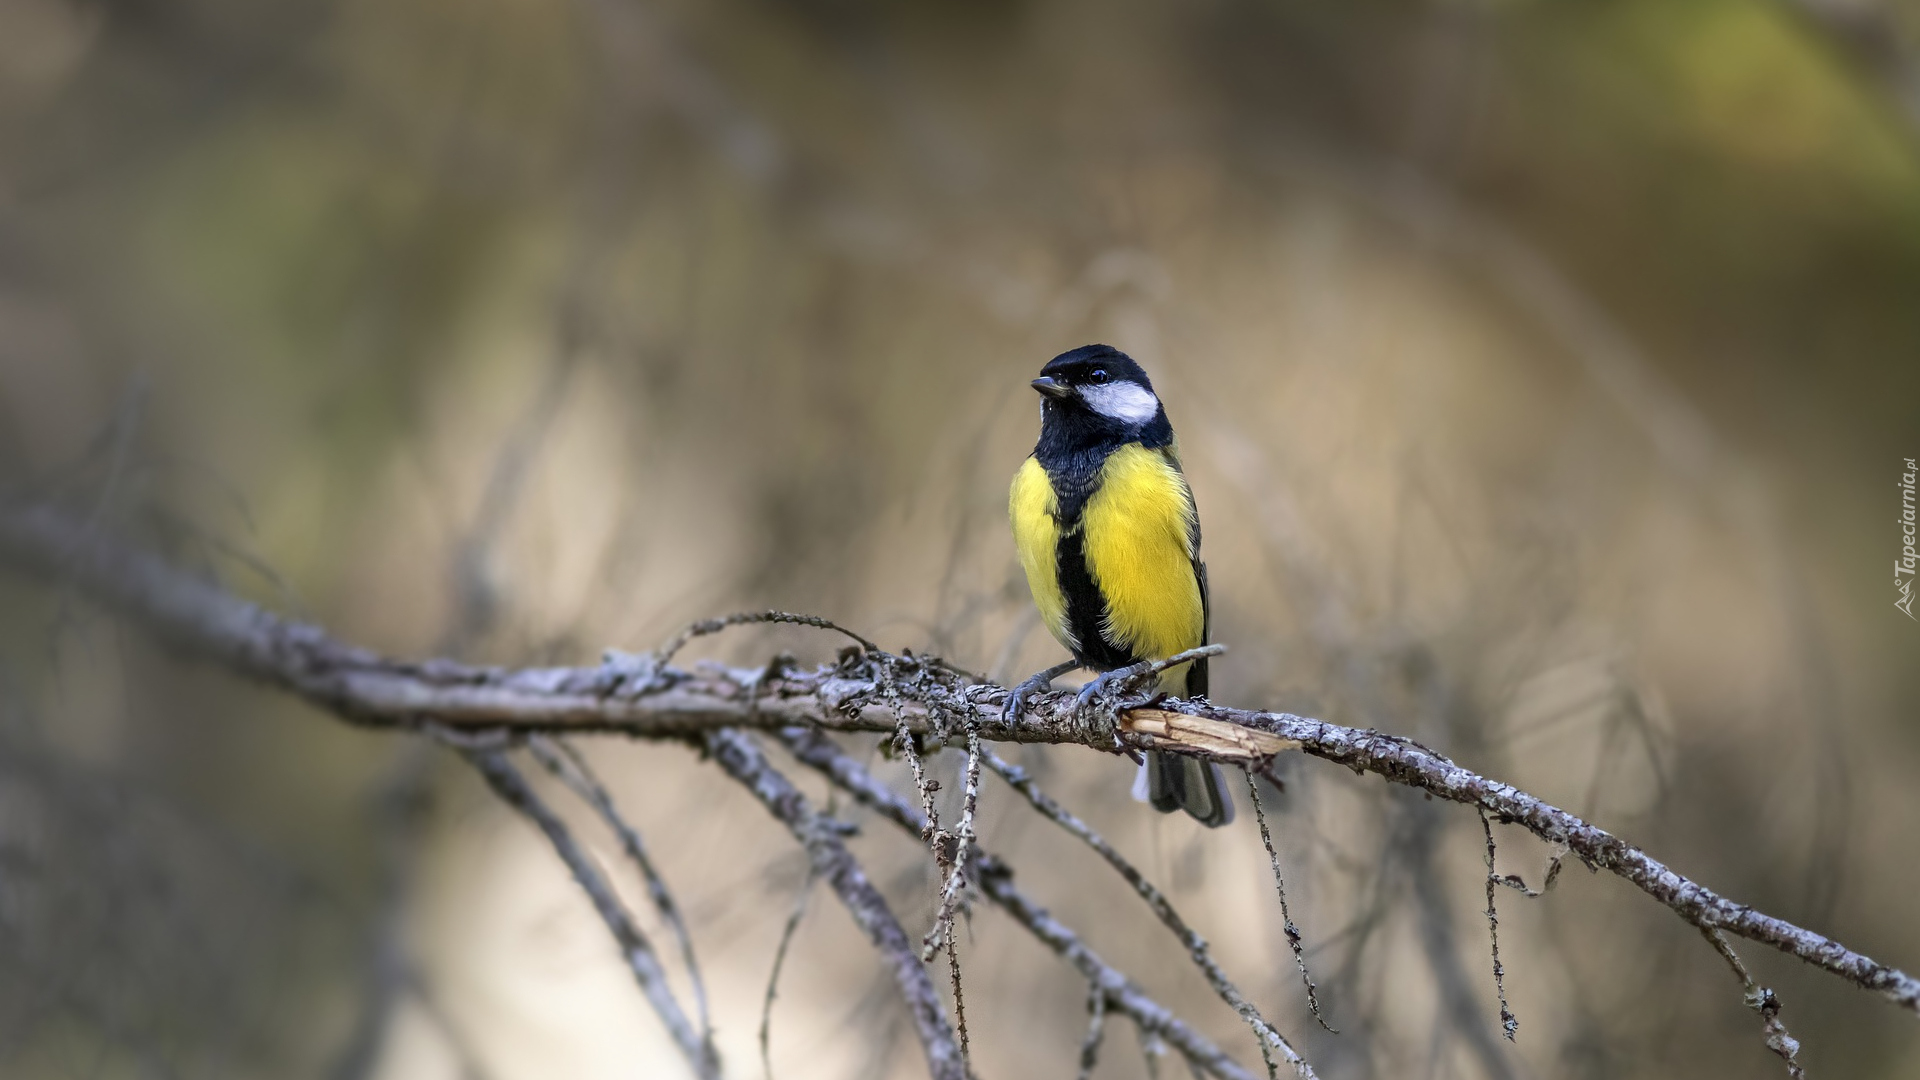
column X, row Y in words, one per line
column 1215, row 738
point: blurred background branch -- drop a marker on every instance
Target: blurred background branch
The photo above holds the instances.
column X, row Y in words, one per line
column 1882, row 38
column 1541, row 371
column 478, row 708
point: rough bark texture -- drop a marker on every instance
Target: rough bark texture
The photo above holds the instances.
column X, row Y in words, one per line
column 738, row 755
column 863, row 691
column 994, row 879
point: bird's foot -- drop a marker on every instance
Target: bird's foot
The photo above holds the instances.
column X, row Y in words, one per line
column 1112, row 684
column 1016, row 702
column 1097, row 687
column 1099, row 700
column 1040, row 683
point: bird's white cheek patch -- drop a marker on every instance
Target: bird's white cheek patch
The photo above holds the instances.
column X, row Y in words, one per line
column 1128, row 402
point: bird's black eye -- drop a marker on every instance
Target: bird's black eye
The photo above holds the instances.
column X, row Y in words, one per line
column 1097, row 376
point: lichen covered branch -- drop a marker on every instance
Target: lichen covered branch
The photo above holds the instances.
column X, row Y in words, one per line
column 995, row 880
column 740, row 757
column 864, row 690
column 1271, row 1041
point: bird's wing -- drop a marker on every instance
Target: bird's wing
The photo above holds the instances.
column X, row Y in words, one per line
column 1197, row 671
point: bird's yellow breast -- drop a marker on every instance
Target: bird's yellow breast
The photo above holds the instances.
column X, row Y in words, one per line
column 1032, row 508
column 1137, row 532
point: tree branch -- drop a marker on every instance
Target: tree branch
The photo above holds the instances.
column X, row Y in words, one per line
column 740, row 757
column 571, row 769
column 507, row 782
column 995, row 881
column 1271, row 1041
column 201, row 620
column 1871, row 36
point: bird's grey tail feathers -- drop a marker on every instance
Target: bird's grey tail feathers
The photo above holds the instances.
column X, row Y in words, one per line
column 1179, row 782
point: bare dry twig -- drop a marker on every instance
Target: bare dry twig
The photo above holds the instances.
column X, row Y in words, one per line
column 1271, row 1041
column 745, row 618
column 513, row 788
column 855, row 694
column 963, row 839
column 1874, row 38
column 996, row 883
column 1764, row 1002
column 564, row 762
column 779, row 960
column 739, row 756
column 1287, row 926
column 1509, row 1024
column 1096, row 1029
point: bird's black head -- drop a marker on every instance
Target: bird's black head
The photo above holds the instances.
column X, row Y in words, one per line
column 1096, row 395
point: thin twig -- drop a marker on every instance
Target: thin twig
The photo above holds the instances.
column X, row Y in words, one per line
column 565, row 762
column 739, row 756
column 1196, row 946
column 123, row 431
column 1125, row 678
column 1286, row 917
column 743, row 618
column 1519, row 884
column 477, row 601
column 1509, row 1024
column 949, row 852
column 1874, row 39
column 1152, row 1049
column 945, row 847
column 402, row 806
column 959, row 1003
column 513, row 788
column 1096, row 1025
column 200, row 619
column 1154, row 1020
column 908, row 746
column 1764, row 1002
column 955, row 866
column 779, row 959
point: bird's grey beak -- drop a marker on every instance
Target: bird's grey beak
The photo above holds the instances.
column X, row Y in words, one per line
column 1051, row 387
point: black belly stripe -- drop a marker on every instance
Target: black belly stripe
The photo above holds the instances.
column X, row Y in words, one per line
column 1086, row 607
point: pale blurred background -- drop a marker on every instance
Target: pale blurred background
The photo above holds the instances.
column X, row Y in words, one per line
column 1543, row 371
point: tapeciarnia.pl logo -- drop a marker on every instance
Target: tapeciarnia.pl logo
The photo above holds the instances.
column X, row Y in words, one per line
column 1905, row 563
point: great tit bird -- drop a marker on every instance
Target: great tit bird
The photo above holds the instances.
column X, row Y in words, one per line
column 1110, row 540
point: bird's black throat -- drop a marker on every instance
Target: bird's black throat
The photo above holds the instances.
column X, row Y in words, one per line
column 1074, row 445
